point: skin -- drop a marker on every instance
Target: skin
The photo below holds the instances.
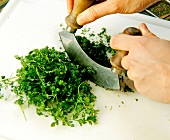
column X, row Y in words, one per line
column 149, row 68
column 106, row 7
column 148, row 60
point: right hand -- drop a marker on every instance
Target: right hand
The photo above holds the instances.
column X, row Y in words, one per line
column 106, row 7
column 147, row 63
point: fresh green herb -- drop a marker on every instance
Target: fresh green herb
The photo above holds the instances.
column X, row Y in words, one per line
column 6, row 83
column 127, row 89
column 1, row 86
column 84, row 31
column 124, row 86
column 56, row 86
column 61, row 25
column 1, row 95
column 96, row 46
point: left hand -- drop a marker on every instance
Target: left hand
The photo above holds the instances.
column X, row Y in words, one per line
column 147, row 63
column 105, row 7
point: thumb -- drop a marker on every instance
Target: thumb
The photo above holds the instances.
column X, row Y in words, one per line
column 145, row 31
column 94, row 12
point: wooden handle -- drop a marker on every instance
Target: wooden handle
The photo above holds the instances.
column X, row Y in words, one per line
column 79, row 6
column 116, row 59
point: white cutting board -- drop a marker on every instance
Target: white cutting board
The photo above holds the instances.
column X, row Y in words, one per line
column 30, row 24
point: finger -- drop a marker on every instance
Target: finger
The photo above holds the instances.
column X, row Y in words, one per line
column 145, row 31
column 95, row 12
column 70, row 4
column 130, row 75
column 125, row 63
column 122, row 42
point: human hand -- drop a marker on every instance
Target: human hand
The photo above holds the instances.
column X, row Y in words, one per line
column 106, row 7
column 147, row 63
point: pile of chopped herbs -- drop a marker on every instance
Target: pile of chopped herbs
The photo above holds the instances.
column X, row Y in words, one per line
column 57, row 86
column 96, row 46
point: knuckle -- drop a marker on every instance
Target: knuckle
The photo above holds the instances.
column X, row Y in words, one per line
column 139, row 42
column 93, row 13
column 121, row 9
column 133, row 75
column 130, row 75
column 117, row 7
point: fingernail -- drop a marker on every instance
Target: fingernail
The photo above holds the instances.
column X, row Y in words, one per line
column 143, row 25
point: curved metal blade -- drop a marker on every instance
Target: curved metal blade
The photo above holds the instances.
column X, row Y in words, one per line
column 104, row 76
